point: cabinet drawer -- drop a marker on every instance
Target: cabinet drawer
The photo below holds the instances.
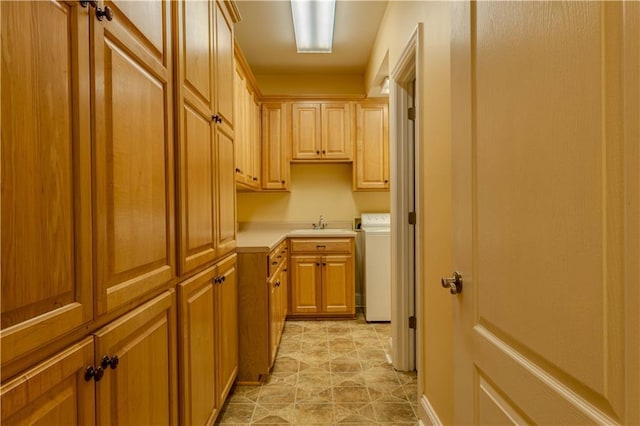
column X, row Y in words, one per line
column 276, row 257
column 299, row 245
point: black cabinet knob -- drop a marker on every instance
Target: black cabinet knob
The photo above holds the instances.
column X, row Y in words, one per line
column 93, row 373
column 318, row 152
column 108, row 361
column 283, row 182
column 105, row 12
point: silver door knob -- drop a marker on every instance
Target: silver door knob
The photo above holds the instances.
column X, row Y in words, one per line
column 454, row 284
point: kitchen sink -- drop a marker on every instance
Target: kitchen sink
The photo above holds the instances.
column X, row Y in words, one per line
column 326, row 232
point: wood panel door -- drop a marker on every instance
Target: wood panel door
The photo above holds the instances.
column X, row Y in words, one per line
column 275, row 299
column 546, row 212
column 338, row 287
column 275, row 146
column 196, row 156
column 305, row 284
column 54, row 392
column 337, row 131
column 46, row 160
column 225, row 194
column 198, row 391
column 142, row 389
column 224, row 67
column 306, row 131
column 133, row 158
column 372, row 147
column 226, row 318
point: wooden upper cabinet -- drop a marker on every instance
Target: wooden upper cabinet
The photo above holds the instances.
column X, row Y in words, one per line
column 306, row 131
column 371, row 168
column 133, row 185
column 225, row 232
column 46, row 173
column 142, row 390
column 247, row 133
column 205, row 133
column 224, row 71
column 322, row 131
column 275, row 146
column 337, row 131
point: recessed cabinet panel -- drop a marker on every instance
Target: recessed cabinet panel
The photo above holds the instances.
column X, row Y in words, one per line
column 338, row 290
column 197, row 49
column 226, row 309
column 226, row 195
column 337, row 131
column 134, row 165
column 46, row 167
column 275, row 146
column 198, row 391
column 53, row 392
column 142, row 389
column 224, row 67
column 372, row 148
column 305, row 293
column 306, row 131
column 198, row 189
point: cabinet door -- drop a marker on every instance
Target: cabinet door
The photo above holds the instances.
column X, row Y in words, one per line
column 256, row 144
column 306, row 132
column 305, row 284
column 198, row 392
column 337, row 131
column 224, row 68
column 226, row 311
column 133, row 185
column 46, row 271
column 284, row 284
column 225, row 194
column 240, row 139
column 274, row 316
column 338, row 284
column 275, row 146
column 142, row 389
column 372, row 148
column 54, row 392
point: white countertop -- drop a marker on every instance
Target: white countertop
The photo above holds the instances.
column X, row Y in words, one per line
column 255, row 238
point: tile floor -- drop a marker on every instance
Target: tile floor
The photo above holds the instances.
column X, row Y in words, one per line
column 328, row 372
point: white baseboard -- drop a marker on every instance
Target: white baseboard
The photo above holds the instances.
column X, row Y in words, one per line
column 428, row 413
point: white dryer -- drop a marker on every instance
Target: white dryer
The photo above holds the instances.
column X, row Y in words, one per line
column 376, row 265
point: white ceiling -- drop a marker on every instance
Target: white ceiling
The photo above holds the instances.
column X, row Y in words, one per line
column 265, row 35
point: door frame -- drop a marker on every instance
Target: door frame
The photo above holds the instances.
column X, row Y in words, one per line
column 406, row 351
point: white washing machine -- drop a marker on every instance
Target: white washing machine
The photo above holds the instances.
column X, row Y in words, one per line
column 376, row 265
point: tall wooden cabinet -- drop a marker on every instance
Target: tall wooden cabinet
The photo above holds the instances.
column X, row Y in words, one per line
column 371, row 166
column 88, row 203
column 47, row 243
column 102, row 228
column 206, row 184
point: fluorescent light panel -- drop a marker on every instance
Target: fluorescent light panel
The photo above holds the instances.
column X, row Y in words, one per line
column 313, row 25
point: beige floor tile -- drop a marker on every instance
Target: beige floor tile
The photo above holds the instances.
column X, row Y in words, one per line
column 236, row 414
column 277, row 394
column 396, row 413
column 350, row 394
column 273, row 414
column 313, row 414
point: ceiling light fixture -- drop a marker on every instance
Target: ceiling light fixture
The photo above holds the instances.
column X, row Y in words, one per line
column 313, row 22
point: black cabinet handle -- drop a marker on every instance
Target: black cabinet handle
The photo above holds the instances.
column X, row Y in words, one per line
column 317, row 263
column 274, row 263
column 238, row 170
column 283, row 182
column 318, row 152
column 255, row 179
column 91, row 3
column 324, row 264
column 216, row 280
column 93, row 373
column 386, row 181
column 324, row 152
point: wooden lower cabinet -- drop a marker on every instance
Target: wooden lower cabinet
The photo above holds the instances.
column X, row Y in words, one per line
column 322, row 278
column 140, row 390
column 53, row 392
column 208, row 340
column 263, row 304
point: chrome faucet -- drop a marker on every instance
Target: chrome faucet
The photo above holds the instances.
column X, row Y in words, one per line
column 321, row 223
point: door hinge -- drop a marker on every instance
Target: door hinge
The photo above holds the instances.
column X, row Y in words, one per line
column 412, row 218
column 411, row 113
column 412, row 322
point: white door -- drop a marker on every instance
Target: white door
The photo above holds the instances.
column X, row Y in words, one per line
column 545, row 147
